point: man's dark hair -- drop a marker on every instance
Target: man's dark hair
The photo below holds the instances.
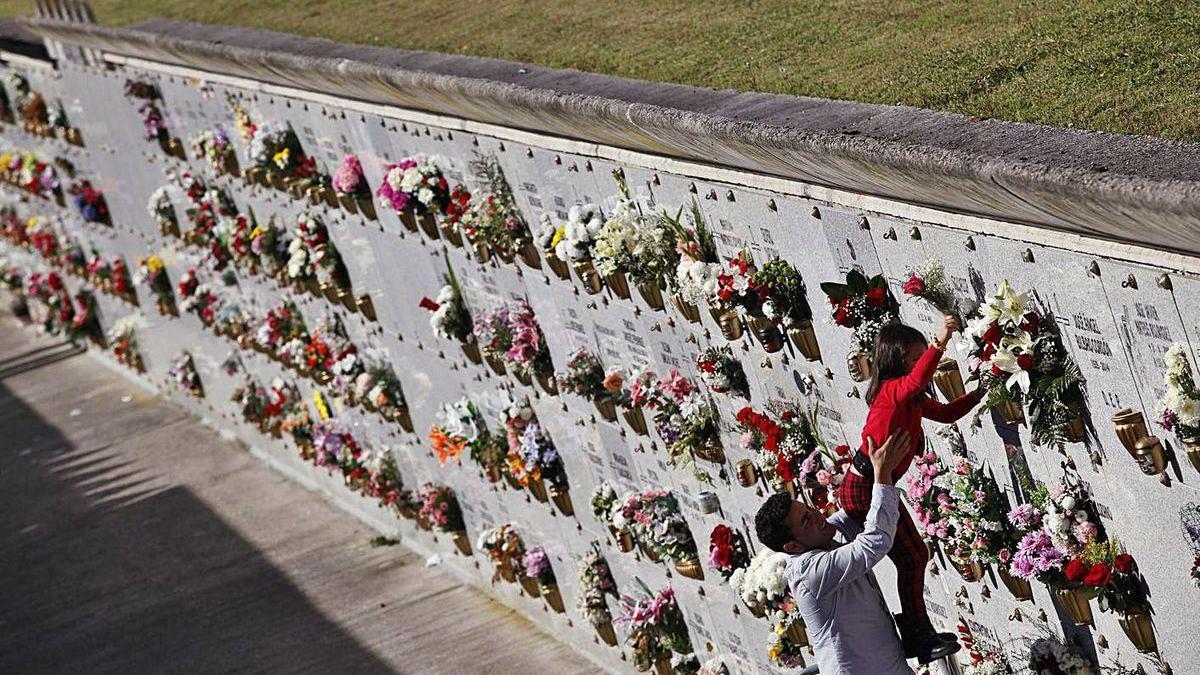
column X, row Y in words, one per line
column 769, row 521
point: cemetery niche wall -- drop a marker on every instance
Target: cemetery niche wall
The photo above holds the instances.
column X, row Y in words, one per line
column 575, row 378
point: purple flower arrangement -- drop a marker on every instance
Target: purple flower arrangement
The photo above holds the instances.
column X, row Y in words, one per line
column 513, row 334
column 537, row 566
column 528, row 350
column 153, row 123
column 333, row 444
column 1036, row 555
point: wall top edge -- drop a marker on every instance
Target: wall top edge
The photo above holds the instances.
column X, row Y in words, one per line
column 1136, row 190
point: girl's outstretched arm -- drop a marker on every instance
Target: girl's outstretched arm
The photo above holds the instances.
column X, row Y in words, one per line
column 918, row 379
column 947, row 413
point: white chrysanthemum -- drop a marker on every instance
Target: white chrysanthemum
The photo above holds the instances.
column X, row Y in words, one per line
column 394, row 177
column 410, row 179
column 546, row 230
column 1188, row 410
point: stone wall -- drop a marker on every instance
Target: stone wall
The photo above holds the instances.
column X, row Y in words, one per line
column 1116, row 309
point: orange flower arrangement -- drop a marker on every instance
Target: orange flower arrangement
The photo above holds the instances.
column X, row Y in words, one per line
column 614, row 382
column 446, row 446
column 522, row 473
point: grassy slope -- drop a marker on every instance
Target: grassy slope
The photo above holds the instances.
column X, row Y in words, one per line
column 1126, row 66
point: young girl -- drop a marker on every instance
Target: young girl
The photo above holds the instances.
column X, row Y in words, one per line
column 899, row 398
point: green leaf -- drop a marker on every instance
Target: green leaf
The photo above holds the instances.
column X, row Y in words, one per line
column 857, row 282
column 836, row 291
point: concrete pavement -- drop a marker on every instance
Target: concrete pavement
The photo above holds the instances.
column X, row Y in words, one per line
column 134, row 541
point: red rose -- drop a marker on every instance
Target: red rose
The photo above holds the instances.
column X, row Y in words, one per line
column 771, row 440
column 1025, row 361
column 987, row 353
column 877, row 297
column 1123, row 563
column 1098, row 576
column 993, row 334
column 721, row 537
column 1075, row 571
column 783, row 469
column 914, row 286
column 842, row 315
column 1031, row 322
column 842, row 450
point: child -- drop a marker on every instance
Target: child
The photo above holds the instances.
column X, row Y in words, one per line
column 898, row 397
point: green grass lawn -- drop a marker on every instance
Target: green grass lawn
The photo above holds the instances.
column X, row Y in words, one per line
column 1126, row 66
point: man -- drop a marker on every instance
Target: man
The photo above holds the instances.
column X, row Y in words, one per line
column 848, row 621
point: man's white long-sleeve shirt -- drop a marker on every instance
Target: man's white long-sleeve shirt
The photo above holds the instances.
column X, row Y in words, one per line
column 848, row 620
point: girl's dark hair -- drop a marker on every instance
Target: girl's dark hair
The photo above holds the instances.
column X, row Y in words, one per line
column 891, row 346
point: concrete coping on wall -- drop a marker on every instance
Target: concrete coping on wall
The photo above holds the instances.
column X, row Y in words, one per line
column 17, row 39
column 1136, row 190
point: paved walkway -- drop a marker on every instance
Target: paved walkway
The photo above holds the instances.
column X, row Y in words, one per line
column 133, row 541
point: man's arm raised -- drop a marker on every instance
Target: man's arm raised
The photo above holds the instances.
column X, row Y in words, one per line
column 846, row 563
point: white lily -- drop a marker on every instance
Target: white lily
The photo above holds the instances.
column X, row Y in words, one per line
column 975, row 329
column 1019, row 381
column 1019, row 341
column 1006, row 360
column 1010, row 306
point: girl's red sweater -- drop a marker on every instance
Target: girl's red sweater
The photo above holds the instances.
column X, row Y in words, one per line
column 903, row 402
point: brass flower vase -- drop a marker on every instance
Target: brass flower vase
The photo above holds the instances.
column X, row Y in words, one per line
column 1151, row 458
column 495, row 363
column 429, row 225
column 529, row 256
column 766, row 333
column 1193, row 452
column 687, row 309
column 1011, row 413
column 729, row 321
column 1021, row 589
column 1075, row 602
column 586, row 271
column 804, row 337
column 607, row 634
column 948, row 379
column 618, row 284
column 636, row 420
column 747, row 473
column 562, row 500
column 1130, row 426
column 652, row 295
column 461, row 541
column 690, row 568
column 530, row 586
column 1140, row 630
column 470, row 349
column 547, row 382
column 971, row 571
column 553, row 598
column 558, row 266
column 607, row 408
column 858, row 364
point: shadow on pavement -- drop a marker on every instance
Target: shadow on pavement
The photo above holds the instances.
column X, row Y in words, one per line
column 107, row 568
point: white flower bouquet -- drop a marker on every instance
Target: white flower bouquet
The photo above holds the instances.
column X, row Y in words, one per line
column 1017, row 356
